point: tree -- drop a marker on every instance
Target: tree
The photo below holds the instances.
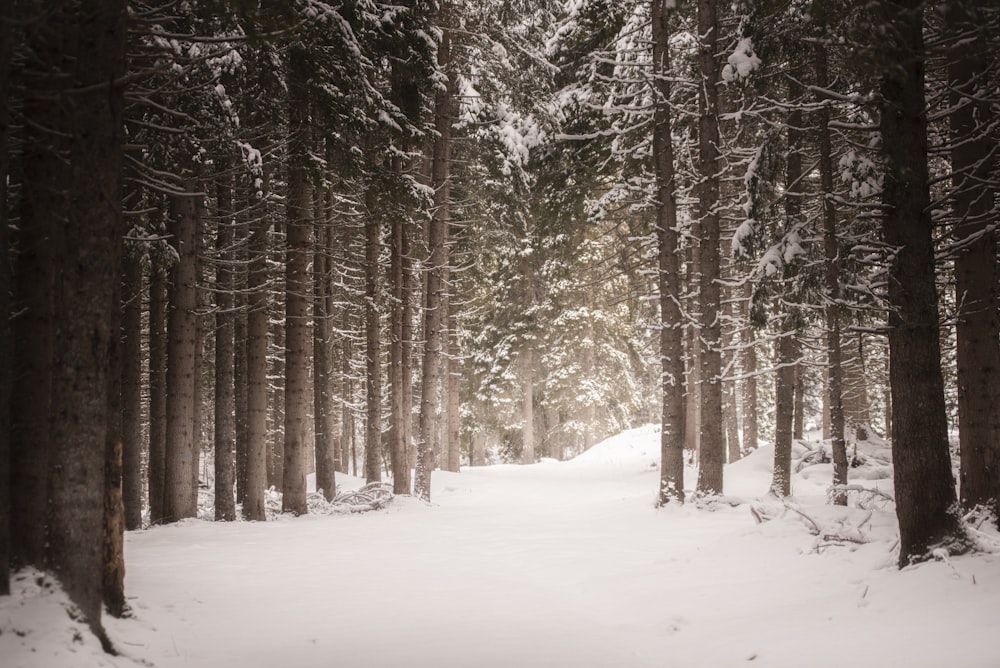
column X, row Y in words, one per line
column 924, row 486
column 671, row 319
column 973, row 194
column 298, row 337
column 225, row 388
column 712, row 446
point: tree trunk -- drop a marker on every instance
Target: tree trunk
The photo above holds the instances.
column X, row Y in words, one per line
column 451, row 386
column 88, row 244
column 6, row 40
column 398, row 381
column 749, row 367
column 434, row 324
column 157, row 393
column 132, row 391
column 113, row 557
column 180, row 456
column 527, row 407
column 924, row 486
column 784, row 407
column 672, row 368
column 712, row 448
column 977, row 328
column 43, row 203
column 298, row 337
column 256, row 378
column 834, row 400
column 323, row 411
column 225, row 399
column 373, row 350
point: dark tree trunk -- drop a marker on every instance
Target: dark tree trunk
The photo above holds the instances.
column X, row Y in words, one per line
column 784, row 398
column 298, row 284
column 323, row 410
column 712, row 447
column 180, row 455
column 398, row 455
column 924, row 485
column 156, row 472
column 835, row 372
column 749, row 368
column 977, row 328
column 673, row 409
column 43, row 202
column 132, row 391
column 373, row 349
column 88, row 244
column 6, row 41
column 113, row 556
column 225, row 399
column 434, row 336
column 256, row 378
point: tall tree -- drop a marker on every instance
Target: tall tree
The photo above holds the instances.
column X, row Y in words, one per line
column 712, row 446
column 6, row 42
column 977, row 330
column 671, row 320
column 298, row 337
column 182, row 340
column 924, row 485
column 225, row 388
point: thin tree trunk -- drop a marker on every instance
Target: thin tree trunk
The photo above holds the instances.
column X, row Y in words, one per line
column 298, row 337
column 784, row 408
column 156, row 472
column 434, row 336
column 225, row 387
column 256, row 378
column 712, row 447
column 527, row 407
column 924, row 485
column 132, row 391
column 373, row 350
column 834, row 399
column 323, row 411
column 398, row 455
column 180, row 455
column 452, row 428
column 749, row 363
column 240, row 373
column 113, row 557
column 672, row 368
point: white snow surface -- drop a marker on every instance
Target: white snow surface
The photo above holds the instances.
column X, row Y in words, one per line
column 559, row 564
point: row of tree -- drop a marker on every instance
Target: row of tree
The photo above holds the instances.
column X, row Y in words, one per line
column 292, row 238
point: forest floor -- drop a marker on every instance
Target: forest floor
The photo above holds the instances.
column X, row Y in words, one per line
column 560, row 564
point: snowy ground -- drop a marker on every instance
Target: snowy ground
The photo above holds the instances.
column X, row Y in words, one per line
column 555, row 565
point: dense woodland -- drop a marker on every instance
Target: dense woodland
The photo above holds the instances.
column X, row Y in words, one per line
column 251, row 241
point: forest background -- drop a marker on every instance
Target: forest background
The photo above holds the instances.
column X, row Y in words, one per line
column 252, row 241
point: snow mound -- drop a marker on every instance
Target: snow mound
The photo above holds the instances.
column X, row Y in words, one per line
column 634, row 447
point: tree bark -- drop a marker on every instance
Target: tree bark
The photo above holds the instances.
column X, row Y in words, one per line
column 977, row 328
column 132, row 390
column 450, row 389
column 87, row 244
column 831, row 275
column 712, row 447
column 784, row 407
column 323, row 410
column 225, row 388
column 298, row 337
column 924, row 486
column 749, row 367
column 398, row 381
column 180, row 455
column 373, row 348
column 6, row 41
column 156, row 472
column 256, row 379
column 672, row 368
column 434, row 325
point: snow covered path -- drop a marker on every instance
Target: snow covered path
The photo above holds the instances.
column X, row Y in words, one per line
column 557, row 565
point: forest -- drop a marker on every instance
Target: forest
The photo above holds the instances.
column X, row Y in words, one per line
column 252, row 243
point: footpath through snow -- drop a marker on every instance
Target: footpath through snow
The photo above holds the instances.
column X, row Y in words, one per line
column 553, row 565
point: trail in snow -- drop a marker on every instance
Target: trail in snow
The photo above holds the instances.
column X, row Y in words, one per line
column 554, row 565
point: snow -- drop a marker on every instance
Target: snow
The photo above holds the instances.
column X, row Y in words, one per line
column 557, row 564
